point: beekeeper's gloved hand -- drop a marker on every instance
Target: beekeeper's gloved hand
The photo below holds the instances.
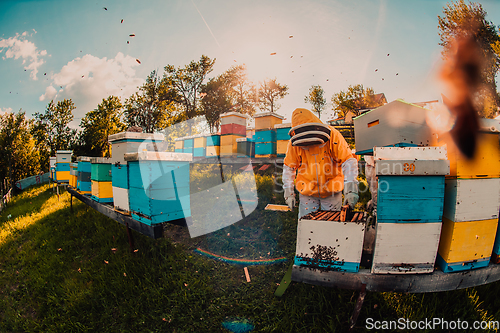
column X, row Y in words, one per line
column 351, row 194
column 290, row 197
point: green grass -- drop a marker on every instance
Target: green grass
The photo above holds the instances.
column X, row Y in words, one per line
column 63, row 271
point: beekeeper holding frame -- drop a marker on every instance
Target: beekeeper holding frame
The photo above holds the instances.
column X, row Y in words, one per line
column 320, row 161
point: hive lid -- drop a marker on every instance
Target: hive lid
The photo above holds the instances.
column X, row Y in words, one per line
column 265, row 114
column 100, row 160
column 284, row 125
column 64, row 152
column 158, row 156
column 83, row 159
column 135, row 136
column 489, row 125
column 234, row 114
column 410, row 153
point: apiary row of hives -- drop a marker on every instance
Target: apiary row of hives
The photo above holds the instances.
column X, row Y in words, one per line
column 269, row 138
column 150, row 185
column 434, row 206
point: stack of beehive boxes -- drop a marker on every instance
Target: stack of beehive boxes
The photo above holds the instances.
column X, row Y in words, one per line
column 73, row 174
column 63, row 159
column 100, row 176
column 159, row 186
column 411, row 184
column 199, row 146
column 83, row 183
column 472, row 201
column 52, row 168
column 265, row 133
column 179, row 145
column 282, row 138
column 213, row 145
column 245, row 147
column 188, row 145
column 121, row 144
column 233, row 126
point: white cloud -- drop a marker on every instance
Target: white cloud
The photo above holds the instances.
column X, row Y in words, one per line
column 5, row 110
column 89, row 79
column 19, row 47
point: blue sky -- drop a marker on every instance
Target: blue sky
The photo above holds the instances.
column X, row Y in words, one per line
column 56, row 49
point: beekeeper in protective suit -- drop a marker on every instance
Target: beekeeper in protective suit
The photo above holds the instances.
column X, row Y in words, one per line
column 320, row 161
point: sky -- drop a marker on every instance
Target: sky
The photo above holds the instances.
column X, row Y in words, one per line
column 84, row 50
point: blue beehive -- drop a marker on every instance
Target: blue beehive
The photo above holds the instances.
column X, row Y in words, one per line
column 265, row 148
column 159, row 186
column 213, row 140
column 83, row 183
column 410, row 200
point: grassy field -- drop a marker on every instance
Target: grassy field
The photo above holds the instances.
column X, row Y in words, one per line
column 73, row 271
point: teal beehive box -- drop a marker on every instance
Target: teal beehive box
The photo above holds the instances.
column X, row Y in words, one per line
column 159, row 186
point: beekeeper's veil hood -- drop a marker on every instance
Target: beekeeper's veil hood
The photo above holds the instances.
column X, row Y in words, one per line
column 307, row 129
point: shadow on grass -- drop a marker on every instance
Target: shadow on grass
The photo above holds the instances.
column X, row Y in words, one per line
column 74, row 272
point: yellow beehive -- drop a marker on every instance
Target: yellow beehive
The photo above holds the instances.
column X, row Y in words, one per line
column 463, row 244
column 281, row 146
column 267, row 120
column 102, row 190
column 213, row 151
column 179, row 144
column 228, row 150
column 62, row 176
column 200, row 142
column 484, row 164
column 229, row 140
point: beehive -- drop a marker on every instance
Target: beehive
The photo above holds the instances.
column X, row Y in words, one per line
column 466, row 245
column 52, row 168
column 84, row 184
column 228, row 145
column 179, row 145
column 73, row 172
column 245, row 147
column 233, row 129
column 131, row 142
column 267, row 120
column 325, row 243
column 63, row 156
column 159, row 186
column 62, row 172
column 188, row 145
column 213, row 151
column 410, row 201
column 100, row 175
column 120, row 187
column 233, row 118
column 398, row 123
column 486, row 160
column 282, row 138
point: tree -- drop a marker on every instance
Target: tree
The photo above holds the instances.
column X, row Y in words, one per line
column 242, row 92
column 461, row 20
column 215, row 101
column 187, row 83
column 52, row 126
column 229, row 91
column 98, row 124
column 153, row 107
column 268, row 94
column 19, row 157
column 354, row 99
column 317, row 99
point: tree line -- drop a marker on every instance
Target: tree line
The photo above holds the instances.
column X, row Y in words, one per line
column 184, row 93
